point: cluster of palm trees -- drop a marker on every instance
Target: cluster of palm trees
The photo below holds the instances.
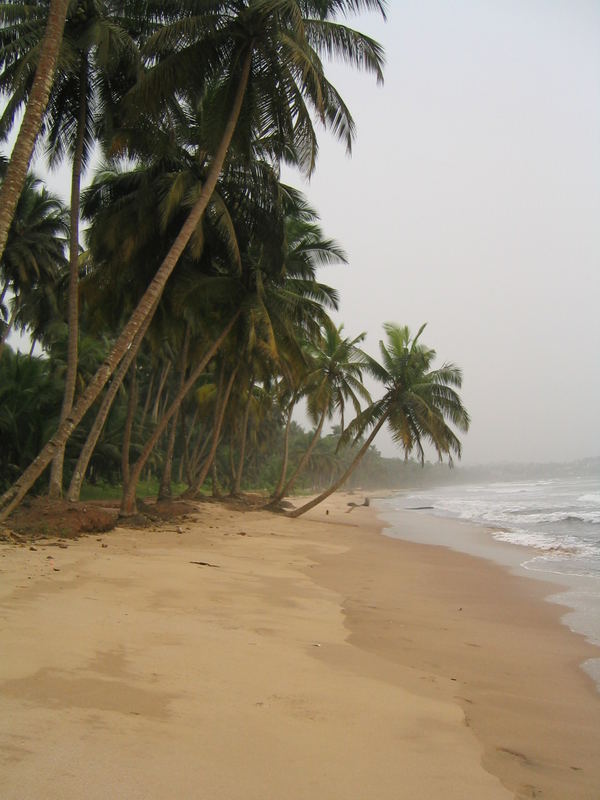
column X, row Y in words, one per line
column 198, row 281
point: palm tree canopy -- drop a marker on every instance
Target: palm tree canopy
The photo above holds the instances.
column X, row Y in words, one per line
column 199, row 58
column 35, row 247
column 418, row 401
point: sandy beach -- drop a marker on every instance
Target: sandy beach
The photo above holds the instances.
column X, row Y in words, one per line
column 252, row 656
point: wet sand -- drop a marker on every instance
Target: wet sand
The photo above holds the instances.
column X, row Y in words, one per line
column 254, row 656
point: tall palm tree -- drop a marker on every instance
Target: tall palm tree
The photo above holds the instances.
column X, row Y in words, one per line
column 98, row 57
column 417, row 402
column 262, row 60
column 46, row 61
column 335, row 378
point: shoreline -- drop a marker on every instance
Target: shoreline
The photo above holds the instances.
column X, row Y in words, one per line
column 256, row 656
column 477, row 539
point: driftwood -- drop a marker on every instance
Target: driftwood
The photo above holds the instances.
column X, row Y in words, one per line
column 366, row 502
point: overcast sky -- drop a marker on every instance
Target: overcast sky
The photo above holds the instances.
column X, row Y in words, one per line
column 472, row 203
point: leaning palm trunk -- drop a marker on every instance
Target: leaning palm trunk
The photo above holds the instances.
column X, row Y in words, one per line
column 12, row 498
column 303, row 461
column 340, row 482
column 16, row 171
column 56, row 472
column 96, row 429
column 128, row 499
column 216, row 437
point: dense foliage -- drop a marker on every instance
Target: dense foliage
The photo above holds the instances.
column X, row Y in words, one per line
column 178, row 335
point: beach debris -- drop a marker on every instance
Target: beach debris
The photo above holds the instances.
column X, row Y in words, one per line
column 366, row 502
column 33, row 548
column 56, row 569
column 103, row 545
column 316, row 644
column 179, row 529
column 205, row 564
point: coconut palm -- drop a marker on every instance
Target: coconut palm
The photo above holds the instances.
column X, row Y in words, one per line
column 334, row 379
column 34, row 255
column 263, row 63
column 98, row 57
column 43, row 77
column 417, row 402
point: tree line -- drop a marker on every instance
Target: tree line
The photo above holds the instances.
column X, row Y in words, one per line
column 183, row 328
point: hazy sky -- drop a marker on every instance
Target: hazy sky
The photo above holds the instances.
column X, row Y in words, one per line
column 472, row 203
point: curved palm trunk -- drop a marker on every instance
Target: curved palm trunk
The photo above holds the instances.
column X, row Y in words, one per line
column 292, row 480
column 193, row 490
column 340, row 482
column 12, row 498
column 286, row 450
column 92, row 439
column 20, row 158
column 128, row 499
column 56, row 472
column 244, row 435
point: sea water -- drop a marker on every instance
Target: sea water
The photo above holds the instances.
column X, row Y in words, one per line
column 556, row 519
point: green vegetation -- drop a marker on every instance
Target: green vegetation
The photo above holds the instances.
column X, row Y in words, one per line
column 178, row 342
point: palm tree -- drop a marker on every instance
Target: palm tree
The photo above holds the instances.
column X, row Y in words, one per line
column 98, row 55
column 34, row 255
column 46, row 58
column 416, row 404
column 262, row 60
column 335, row 378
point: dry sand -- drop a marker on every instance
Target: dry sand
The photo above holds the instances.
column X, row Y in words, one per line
column 308, row 659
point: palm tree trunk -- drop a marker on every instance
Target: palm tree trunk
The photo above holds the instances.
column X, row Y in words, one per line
column 13, row 496
column 128, row 499
column 334, row 487
column 56, row 472
column 16, row 171
column 147, row 401
column 216, row 492
column 244, row 435
column 286, row 450
column 164, row 490
column 220, row 416
column 132, row 402
column 90, row 443
column 161, row 386
column 197, row 455
column 292, row 480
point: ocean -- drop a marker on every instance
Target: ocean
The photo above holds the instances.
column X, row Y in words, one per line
column 556, row 519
